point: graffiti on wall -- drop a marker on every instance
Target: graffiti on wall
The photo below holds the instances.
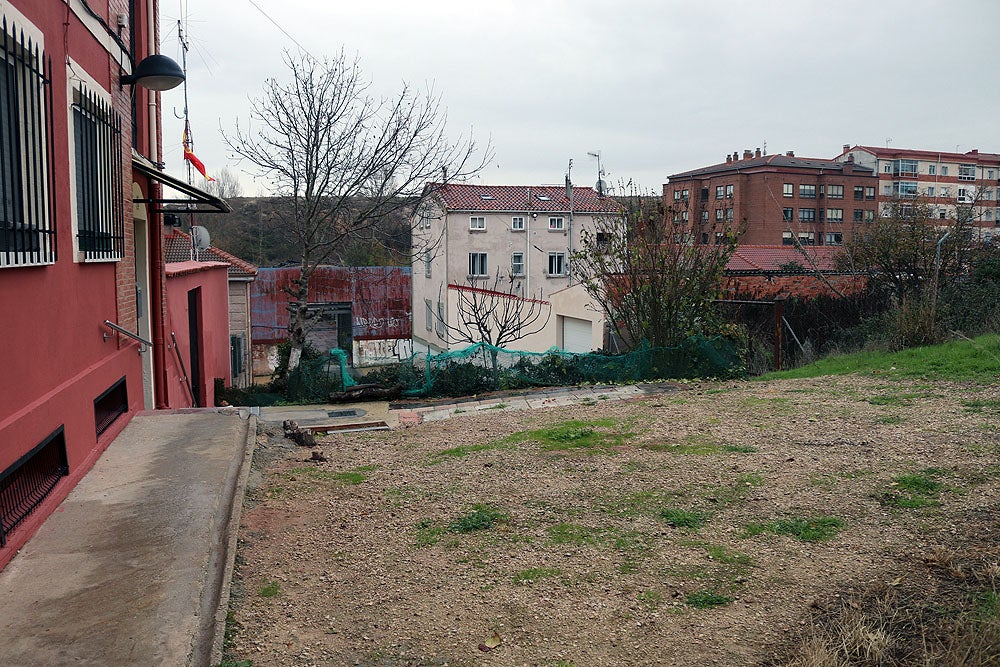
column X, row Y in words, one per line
column 382, row 351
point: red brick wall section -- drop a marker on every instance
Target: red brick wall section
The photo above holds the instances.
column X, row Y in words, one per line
column 801, row 286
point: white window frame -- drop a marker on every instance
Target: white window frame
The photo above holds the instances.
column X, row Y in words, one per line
column 517, row 223
column 477, row 223
column 557, row 224
column 428, row 257
column 429, row 314
column 517, row 264
column 478, row 261
column 557, row 260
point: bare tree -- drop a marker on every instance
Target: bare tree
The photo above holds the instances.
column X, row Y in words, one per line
column 497, row 315
column 648, row 274
column 343, row 159
column 225, row 185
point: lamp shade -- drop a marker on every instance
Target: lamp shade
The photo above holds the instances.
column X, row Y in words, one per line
column 156, row 72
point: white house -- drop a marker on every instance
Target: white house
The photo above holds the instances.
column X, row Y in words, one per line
column 466, row 237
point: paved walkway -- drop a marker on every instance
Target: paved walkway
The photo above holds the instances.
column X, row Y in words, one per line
column 132, row 568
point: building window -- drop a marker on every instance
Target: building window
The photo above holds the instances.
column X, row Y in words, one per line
column 989, row 174
column 989, row 214
column 870, row 215
column 729, row 192
column 677, row 195
column 684, row 216
column 904, row 168
column 834, row 238
column 720, row 191
column 834, row 215
column 807, row 238
column 684, row 195
column 859, row 215
column 477, row 264
column 27, row 232
column 888, row 168
column 557, row 263
column 439, row 327
column 945, row 191
column 718, row 214
column 859, row 192
column 932, row 169
column 887, row 190
column 556, row 224
column 787, row 213
column 807, row 215
column 427, row 263
column 704, row 194
column 788, row 190
column 477, row 223
column 930, row 191
column 966, row 172
column 97, row 146
column 807, row 191
column 904, row 189
column 787, row 239
column 704, row 216
column 835, row 191
column 870, row 193
column 704, row 238
column 944, row 170
column 517, row 223
column 517, row 264
column 428, row 314
column 729, row 215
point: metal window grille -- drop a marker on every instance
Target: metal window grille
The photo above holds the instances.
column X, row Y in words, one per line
column 99, row 194
column 236, row 357
column 26, row 483
column 110, row 405
column 27, row 217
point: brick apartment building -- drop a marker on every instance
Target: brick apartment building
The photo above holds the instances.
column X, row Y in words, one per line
column 774, row 199
column 946, row 181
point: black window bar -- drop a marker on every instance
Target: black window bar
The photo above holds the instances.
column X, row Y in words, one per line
column 24, row 485
column 99, row 189
column 27, row 217
column 110, row 405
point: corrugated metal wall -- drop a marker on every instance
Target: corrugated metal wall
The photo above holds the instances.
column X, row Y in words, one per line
column 379, row 298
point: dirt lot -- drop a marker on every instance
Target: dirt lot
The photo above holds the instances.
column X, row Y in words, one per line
column 718, row 524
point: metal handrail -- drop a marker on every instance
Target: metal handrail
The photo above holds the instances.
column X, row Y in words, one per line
column 112, row 325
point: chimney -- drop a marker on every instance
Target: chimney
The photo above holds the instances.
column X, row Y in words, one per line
column 729, row 158
column 974, row 151
column 847, row 147
column 756, row 153
column 747, row 154
column 736, row 156
column 790, row 154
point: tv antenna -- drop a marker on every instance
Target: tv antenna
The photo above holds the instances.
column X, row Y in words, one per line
column 601, row 186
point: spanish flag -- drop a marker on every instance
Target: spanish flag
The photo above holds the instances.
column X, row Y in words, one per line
column 193, row 159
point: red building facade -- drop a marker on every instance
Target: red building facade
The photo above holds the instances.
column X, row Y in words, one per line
column 82, row 278
column 773, row 199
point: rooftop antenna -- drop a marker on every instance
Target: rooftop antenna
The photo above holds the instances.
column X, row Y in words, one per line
column 601, row 186
column 765, row 147
column 888, row 141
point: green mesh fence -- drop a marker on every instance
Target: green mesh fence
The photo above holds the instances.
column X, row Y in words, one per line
column 313, row 380
column 482, row 368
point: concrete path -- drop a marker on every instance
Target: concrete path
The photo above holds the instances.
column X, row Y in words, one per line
column 132, row 568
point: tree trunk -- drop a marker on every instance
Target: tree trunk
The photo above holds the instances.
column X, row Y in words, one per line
column 297, row 320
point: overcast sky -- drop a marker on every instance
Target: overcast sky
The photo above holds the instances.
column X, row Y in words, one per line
column 657, row 87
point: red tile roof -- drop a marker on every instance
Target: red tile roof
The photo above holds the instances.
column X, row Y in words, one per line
column 778, row 161
column 504, row 198
column 177, row 248
column 771, row 257
column 896, row 153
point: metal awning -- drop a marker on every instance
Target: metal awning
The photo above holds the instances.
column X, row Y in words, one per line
column 197, row 201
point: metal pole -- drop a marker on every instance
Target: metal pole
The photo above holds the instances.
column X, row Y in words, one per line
column 779, row 310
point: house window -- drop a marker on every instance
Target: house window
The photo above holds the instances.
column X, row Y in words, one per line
column 870, row 216
column 834, row 238
column 944, row 170
column 835, row 191
column 787, row 213
column 887, row 190
column 807, row 191
column 788, row 190
column 517, row 264
column 888, row 168
column 704, row 194
column 27, row 231
column 807, row 238
column 834, row 215
column 97, row 146
column 859, row 215
column 427, row 263
column 704, row 238
column 729, row 192
column 557, row 263
column 677, row 195
column 989, row 174
column 439, row 327
column 904, row 168
column 930, row 191
column 964, row 196
column 807, row 215
column 718, row 214
column 932, row 169
column 904, row 189
column 718, row 238
column 477, row 264
column 859, row 192
column 477, row 223
column 684, row 216
column 684, row 195
column 556, row 224
column 966, row 172
column 787, row 239
column 517, row 223
column 729, row 215
column 720, row 191
column 870, row 193
column 428, row 314
column 704, row 216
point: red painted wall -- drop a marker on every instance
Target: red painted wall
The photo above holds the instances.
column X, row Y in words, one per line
column 212, row 279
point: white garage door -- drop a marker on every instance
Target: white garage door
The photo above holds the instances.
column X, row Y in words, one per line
column 576, row 334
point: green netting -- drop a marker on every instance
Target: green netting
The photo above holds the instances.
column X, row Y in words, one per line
column 482, row 367
column 313, row 380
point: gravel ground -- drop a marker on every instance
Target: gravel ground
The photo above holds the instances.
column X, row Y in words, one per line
column 625, row 536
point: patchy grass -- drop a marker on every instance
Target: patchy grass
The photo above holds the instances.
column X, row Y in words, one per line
column 356, row 476
column 812, row 529
column 699, row 444
column 596, row 434
column 707, row 599
column 482, row 517
column 679, row 518
column 572, row 534
column 270, row 590
column 464, row 450
column 978, row 406
column 914, row 490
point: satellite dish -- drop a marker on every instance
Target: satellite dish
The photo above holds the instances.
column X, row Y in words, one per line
column 200, row 237
column 601, row 187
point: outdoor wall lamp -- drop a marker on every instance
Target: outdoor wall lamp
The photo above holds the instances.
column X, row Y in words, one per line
column 155, row 72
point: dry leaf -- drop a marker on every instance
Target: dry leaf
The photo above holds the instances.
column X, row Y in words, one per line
column 491, row 642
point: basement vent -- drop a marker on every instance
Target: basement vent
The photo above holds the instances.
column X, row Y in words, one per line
column 110, row 405
column 26, row 483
